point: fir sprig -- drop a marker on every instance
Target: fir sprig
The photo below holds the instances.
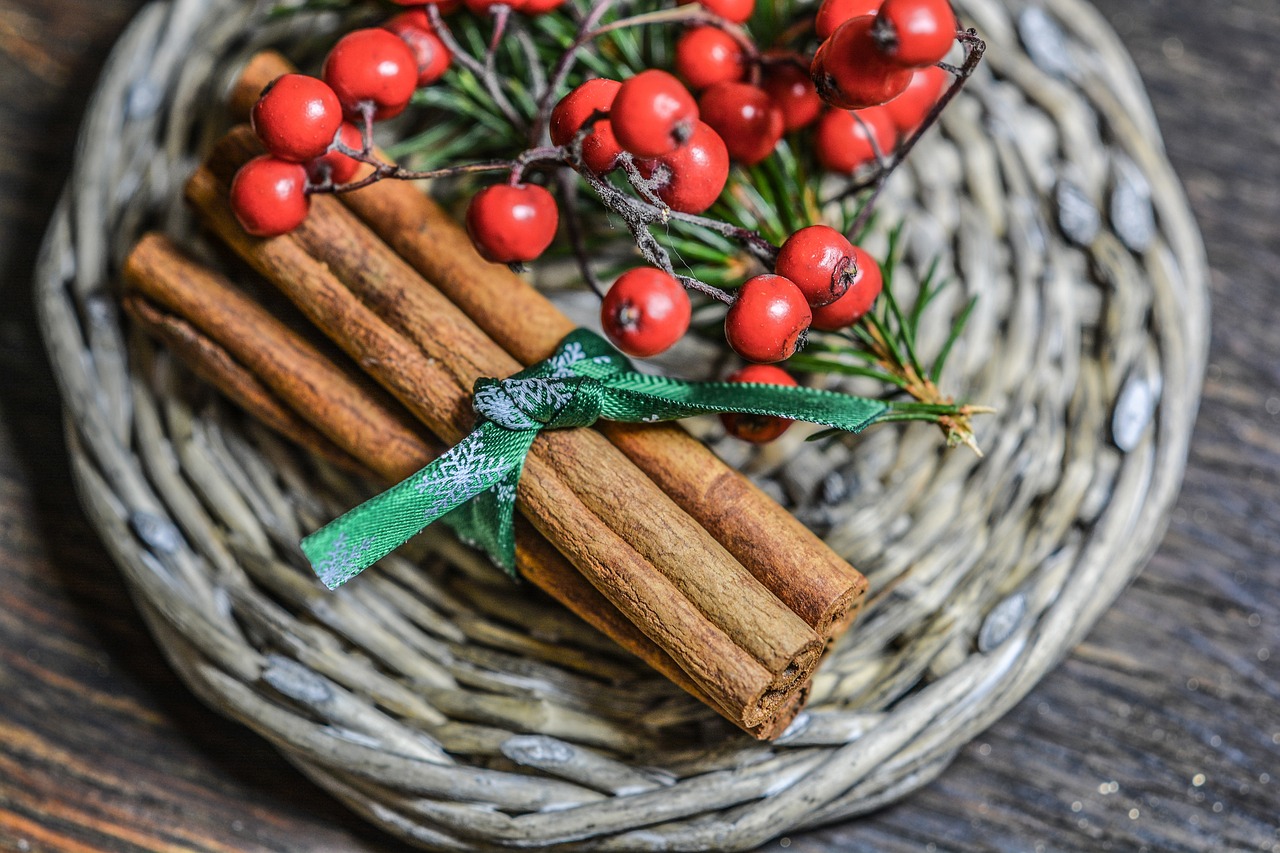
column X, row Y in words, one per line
column 883, row 347
column 494, row 102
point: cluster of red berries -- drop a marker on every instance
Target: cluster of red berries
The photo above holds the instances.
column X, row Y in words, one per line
column 875, row 73
column 307, row 124
column 652, row 117
column 820, row 281
column 877, row 67
column 872, row 81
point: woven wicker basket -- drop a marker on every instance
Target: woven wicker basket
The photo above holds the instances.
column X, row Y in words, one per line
column 420, row 698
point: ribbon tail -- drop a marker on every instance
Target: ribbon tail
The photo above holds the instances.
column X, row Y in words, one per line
column 349, row 544
column 487, row 522
column 635, row 396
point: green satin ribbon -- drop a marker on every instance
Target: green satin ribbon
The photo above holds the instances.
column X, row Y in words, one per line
column 472, row 487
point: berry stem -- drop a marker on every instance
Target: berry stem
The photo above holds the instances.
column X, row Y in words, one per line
column 563, row 66
column 639, row 215
column 383, row 171
column 975, row 47
column 573, row 225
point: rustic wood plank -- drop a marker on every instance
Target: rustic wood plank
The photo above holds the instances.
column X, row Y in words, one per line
column 1159, row 733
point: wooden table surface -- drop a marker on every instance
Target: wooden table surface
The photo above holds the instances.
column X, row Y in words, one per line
column 1161, row 732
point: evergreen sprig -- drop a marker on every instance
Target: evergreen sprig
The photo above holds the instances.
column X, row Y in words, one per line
column 493, row 103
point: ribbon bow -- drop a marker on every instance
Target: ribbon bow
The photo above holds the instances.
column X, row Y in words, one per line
column 472, row 487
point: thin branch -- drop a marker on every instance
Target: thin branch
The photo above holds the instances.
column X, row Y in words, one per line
column 975, row 48
column 484, row 71
column 573, row 224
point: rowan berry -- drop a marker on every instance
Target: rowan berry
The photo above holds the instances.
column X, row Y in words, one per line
column 757, row 428
column 851, row 72
column 372, row 67
column 786, row 80
column 915, row 33
column 696, row 172
column 512, row 224
column 296, row 117
column 736, row 11
column 820, row 261
column 433, row 58
column 842, row 143
column 746, row 118
column 866, row 285
column 540, row 7
column 333, row 165
column 708, row 55
column 269, row 196
column 600, row 149
column 833, row 13
column 645, row 312
column 653, row 113
column 575, row 108
column 909, row 109
column 768, row 320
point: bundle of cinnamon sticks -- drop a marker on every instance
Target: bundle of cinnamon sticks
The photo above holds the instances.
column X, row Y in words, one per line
column 638, row 529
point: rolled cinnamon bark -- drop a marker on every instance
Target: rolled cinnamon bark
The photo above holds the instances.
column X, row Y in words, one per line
column 779, row 551
column 741, row 645
column 216, row 367
column 302, row 394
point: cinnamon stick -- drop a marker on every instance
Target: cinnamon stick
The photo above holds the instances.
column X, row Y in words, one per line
column 217, row 368
column 779, row 551
column 745, row 649
column 195, row 301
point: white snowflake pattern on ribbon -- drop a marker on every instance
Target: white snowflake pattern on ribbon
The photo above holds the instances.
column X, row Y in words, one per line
column 569, row 355
column 506, row 404
column 459, row 475
column 344, row 559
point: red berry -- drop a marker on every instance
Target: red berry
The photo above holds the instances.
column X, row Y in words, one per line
column 736, row 11
column 269, row 196
column 645, row 312
column 540, row 7
column 708, row 55
column 485, row 7
column 433, row 58
column 915, row 33
column 757, row 428
column 819, row 261
column 653, row 113
column 857, row 300
column 600, row 149
column 512, row 224
column 696, row 171
column 851, row 72
column 746, row 118
column 768, row 320
column 909, row 109
column 787, row 81
column 573, row 110
column 375, row 67
column 833, row 13
column 296, row 117
column 843, row 144
column 334, row 165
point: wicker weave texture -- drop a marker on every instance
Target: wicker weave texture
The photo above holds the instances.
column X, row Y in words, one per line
column 461, row 715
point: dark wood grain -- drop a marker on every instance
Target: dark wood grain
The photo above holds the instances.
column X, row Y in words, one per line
column 1161, row 732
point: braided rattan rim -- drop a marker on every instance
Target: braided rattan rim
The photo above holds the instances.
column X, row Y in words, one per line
column 414, row 697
